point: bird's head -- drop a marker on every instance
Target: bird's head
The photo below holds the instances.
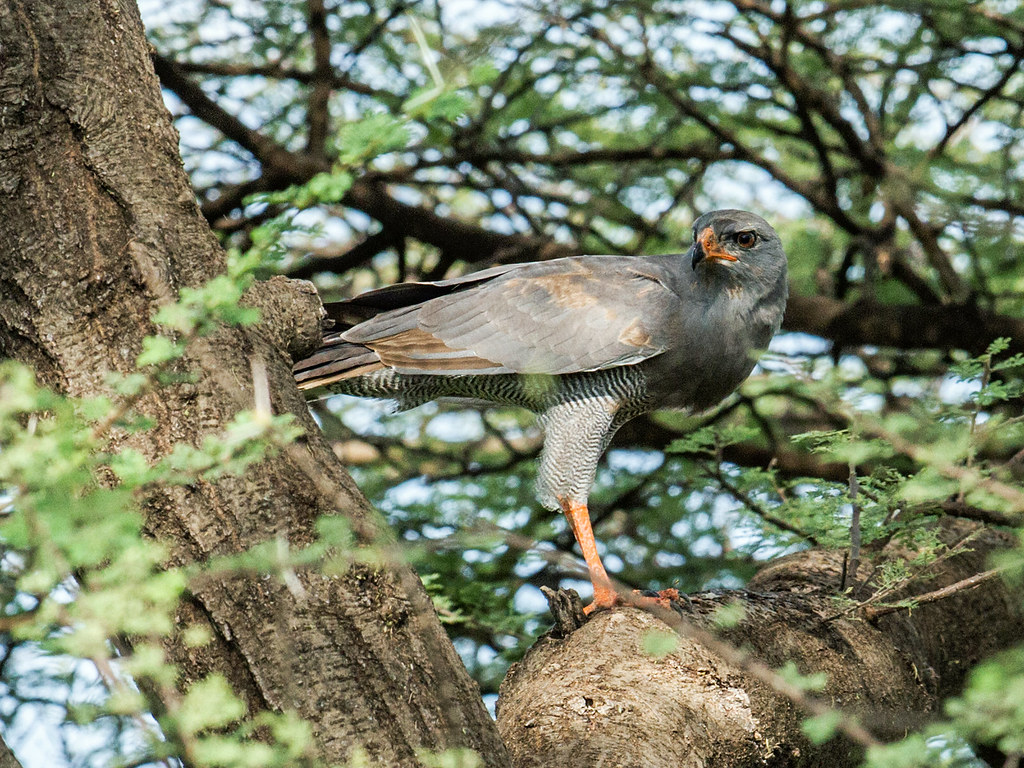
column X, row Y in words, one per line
column 738, row 240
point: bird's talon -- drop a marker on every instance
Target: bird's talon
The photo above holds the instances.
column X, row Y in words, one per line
column 604, row 597
column 666, row 598
column 595, row 606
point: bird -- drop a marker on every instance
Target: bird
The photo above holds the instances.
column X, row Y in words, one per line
column 585, row 342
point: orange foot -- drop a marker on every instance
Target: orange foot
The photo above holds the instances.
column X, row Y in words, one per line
column 665, row 598
column 609, row 598
column 604, row 597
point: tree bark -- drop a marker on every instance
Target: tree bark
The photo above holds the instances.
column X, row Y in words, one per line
column 99, row 227
column 595, row 697
column 7, row 758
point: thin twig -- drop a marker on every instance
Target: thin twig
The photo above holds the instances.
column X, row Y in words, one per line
column 854, row 485
column 863, row 605
column 759, row 510
column 872, row 612
column 921, row 454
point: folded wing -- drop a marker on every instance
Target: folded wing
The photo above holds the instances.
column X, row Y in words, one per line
column 562, row 316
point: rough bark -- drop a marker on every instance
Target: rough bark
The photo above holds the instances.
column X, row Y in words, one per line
column 7, row 758
column 98, row 227
column 596, row 698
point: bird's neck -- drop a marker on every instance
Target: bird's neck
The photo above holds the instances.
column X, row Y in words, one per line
column 751, row 293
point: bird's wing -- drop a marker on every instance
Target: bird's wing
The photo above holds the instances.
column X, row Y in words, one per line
column 402, row 295
column 561, row 316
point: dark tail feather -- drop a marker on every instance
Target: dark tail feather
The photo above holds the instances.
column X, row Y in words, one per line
column 338, row 359
column 354, row 311
column 335, row 361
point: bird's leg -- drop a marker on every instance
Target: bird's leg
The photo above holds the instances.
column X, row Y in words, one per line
column 579, row 520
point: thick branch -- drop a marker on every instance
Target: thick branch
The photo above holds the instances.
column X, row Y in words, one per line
column 342, row 262
column 698, row 706
column 276, row 72
column 903, row 326
column 268, row 152
column 317, row 112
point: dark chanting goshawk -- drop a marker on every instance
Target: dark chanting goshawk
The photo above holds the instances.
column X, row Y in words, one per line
column 585, row 342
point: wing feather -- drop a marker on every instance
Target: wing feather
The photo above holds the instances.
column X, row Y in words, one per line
column 561, row 316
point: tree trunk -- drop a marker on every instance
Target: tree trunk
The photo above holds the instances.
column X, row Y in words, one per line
column 595, row 697
column 99, row 226
column 7, row 758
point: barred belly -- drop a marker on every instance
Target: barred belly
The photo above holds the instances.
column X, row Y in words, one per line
column 579, row 412
column 625, row 385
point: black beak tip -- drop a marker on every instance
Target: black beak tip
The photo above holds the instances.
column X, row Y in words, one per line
column 698, row 256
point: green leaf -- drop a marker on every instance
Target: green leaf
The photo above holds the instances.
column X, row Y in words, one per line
column 709, row 440
column 821, row 728
column 177, row 316
column 132, row 468
column 447, row 105
column 657, row 644
column 372, row 135
column 816, row 681
column 228, row 751
column 729, row 615
column 913, row 752
column 209, row 703
column 450, row 758
column 127, row 385
column 330, row 187
column 157, row 350
column 998, row 346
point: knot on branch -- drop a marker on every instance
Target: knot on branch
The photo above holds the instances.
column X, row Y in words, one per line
column 566, row 609
column 291, row 314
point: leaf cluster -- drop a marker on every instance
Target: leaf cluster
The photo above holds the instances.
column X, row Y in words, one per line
column 83, row 580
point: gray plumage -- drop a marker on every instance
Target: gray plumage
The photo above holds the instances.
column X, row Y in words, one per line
column 586, row 342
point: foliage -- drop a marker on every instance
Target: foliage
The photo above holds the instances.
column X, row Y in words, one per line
column 81, row 580
column 885, row 142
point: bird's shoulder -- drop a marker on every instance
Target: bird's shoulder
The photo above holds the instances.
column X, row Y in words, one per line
column 581, row 282
column 565, row 315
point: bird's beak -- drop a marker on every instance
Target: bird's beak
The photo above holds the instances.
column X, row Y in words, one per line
column 698, row 256
column 708, row 247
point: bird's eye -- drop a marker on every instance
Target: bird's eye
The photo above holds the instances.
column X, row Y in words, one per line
column 746, row 239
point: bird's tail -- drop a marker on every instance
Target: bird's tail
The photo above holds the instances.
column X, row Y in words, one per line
column 335, row 361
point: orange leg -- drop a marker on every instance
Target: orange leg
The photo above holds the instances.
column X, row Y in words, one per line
column 579, row 520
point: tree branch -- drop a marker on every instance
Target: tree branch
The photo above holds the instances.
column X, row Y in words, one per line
column 270, row 154
column 730, row 707
column 981, row 101
column 971, row 582
column 343, row 262
column 277, row 72
column 902, row 326
column 317, row 112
